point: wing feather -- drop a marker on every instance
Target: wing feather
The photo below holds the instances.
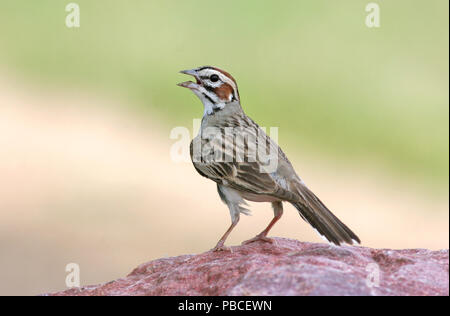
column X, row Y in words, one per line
column 241, row 174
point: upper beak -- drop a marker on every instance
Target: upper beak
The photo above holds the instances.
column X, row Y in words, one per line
column 190, row 84
column 188, row 72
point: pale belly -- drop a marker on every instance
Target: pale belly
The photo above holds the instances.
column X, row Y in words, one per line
column 257, row 197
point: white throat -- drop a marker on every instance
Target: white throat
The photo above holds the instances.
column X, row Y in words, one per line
column 210, row 107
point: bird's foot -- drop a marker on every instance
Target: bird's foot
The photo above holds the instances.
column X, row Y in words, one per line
column 258, row 238
column 221, row 247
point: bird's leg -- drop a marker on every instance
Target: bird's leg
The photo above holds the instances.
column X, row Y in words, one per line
column 220, row 245
column 278, row 211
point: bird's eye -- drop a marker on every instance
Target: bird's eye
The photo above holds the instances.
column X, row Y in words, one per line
column 214, row 78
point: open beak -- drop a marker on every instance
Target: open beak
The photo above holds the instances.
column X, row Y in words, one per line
column 189, row 84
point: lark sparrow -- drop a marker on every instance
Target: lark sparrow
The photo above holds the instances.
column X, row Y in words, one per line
column 217, row 154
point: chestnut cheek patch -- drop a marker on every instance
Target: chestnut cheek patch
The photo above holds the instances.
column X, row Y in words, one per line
column 224, row 92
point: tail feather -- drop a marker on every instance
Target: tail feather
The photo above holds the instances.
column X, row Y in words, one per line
column 313, row 211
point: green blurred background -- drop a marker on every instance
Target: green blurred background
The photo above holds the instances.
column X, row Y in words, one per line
column 358, row 98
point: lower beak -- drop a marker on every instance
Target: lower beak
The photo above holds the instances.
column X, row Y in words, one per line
column 190, row 84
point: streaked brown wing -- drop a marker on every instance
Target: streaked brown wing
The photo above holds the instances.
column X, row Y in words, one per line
column 241, row 175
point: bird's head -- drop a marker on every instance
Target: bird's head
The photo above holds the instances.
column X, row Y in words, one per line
column 213, row 86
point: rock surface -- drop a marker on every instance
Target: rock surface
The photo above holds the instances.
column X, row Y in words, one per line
column 286, row 267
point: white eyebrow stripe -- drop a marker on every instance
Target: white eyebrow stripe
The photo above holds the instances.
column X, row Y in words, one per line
column 209, row 71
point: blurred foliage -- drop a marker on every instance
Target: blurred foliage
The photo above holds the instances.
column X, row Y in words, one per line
column 312, row 68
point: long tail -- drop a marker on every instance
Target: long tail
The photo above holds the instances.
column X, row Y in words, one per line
column 313, row 211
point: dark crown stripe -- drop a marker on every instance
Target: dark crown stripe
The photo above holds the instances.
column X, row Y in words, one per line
column 204, row 67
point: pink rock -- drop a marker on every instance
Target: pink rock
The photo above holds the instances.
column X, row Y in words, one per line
column 286, row 267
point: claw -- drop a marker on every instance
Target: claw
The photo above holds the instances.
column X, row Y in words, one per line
column 221, row 247
column 258, row 238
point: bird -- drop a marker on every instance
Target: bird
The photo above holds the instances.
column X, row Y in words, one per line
column 224, row 151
